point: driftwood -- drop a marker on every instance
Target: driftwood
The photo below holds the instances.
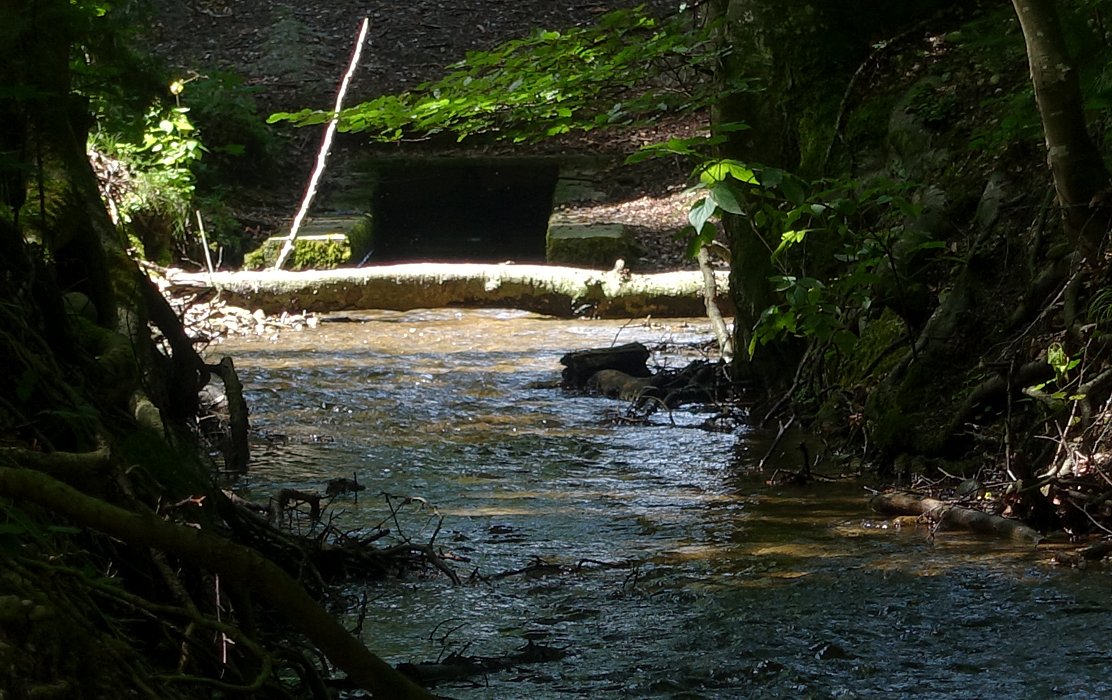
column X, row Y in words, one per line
column 698, row 382
column 1094, row 552
column 341, row 485
column 953, row 517
column 285, row 497
column 618, row 385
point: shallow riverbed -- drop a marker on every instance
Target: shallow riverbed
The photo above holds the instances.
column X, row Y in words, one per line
column 721, row 587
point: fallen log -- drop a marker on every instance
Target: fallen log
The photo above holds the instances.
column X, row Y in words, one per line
column 552, row 290
column 953, row 517
column 618, row 385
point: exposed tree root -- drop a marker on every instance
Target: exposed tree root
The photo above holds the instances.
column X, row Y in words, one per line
column 234, row 562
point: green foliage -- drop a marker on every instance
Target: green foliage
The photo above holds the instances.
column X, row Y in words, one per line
column 160, row 179
column 1100, row 309
column 859, row 231
column 147, row 147
column 223, row 232
column 239, row 146
column 832, row 242
column 120, row 81
column 628, row 67
column 1061, row 362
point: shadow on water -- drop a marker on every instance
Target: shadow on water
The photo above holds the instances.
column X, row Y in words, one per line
column 714, row 585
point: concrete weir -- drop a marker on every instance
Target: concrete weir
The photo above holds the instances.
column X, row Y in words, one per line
column 461, row 209
column 466, row 231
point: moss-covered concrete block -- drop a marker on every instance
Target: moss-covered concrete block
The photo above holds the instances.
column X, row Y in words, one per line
column 313, row 252
column 588, row 245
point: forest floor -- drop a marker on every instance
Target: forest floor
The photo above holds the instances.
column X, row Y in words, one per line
column 292, row 56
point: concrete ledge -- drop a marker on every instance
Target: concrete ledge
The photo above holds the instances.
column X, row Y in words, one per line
column 590, row 245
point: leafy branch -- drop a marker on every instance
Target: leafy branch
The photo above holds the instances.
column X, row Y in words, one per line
column 840, row 248
column 627, row 68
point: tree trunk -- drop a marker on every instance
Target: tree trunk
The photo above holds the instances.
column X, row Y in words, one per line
column 1080, row 176
column 756, row 81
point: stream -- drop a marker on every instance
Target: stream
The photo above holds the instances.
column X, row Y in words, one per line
column 684, row 575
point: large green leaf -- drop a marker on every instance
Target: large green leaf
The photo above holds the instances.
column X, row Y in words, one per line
column 723, row 195
column 701, row 212
column 723, row 170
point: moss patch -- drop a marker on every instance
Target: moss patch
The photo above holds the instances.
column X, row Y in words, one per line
column 323, row 252
column 876, row 349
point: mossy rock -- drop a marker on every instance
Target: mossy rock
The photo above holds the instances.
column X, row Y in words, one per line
column 911, row 416
column 320, row 252
column 588, row 245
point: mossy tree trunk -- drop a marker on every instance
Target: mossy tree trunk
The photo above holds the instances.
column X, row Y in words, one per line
column 1081, row 179
column 779, row 52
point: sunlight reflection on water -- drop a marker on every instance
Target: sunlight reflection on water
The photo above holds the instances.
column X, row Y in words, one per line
column 720, row 587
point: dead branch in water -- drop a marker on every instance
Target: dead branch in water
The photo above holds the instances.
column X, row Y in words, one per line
column 954, row 517
column 457, row 666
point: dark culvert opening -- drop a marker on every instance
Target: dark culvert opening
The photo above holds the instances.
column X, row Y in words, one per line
column 462, row 211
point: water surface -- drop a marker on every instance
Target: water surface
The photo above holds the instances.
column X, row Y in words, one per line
column 681, row 575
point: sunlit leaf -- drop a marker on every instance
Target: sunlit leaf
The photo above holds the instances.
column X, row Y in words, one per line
column 722, row 170
column 788, row 239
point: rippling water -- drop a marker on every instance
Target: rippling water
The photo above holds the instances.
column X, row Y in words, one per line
column 716, row 586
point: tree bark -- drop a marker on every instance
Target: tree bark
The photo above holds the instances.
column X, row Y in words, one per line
column 774, row 48
column 1081, row 179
